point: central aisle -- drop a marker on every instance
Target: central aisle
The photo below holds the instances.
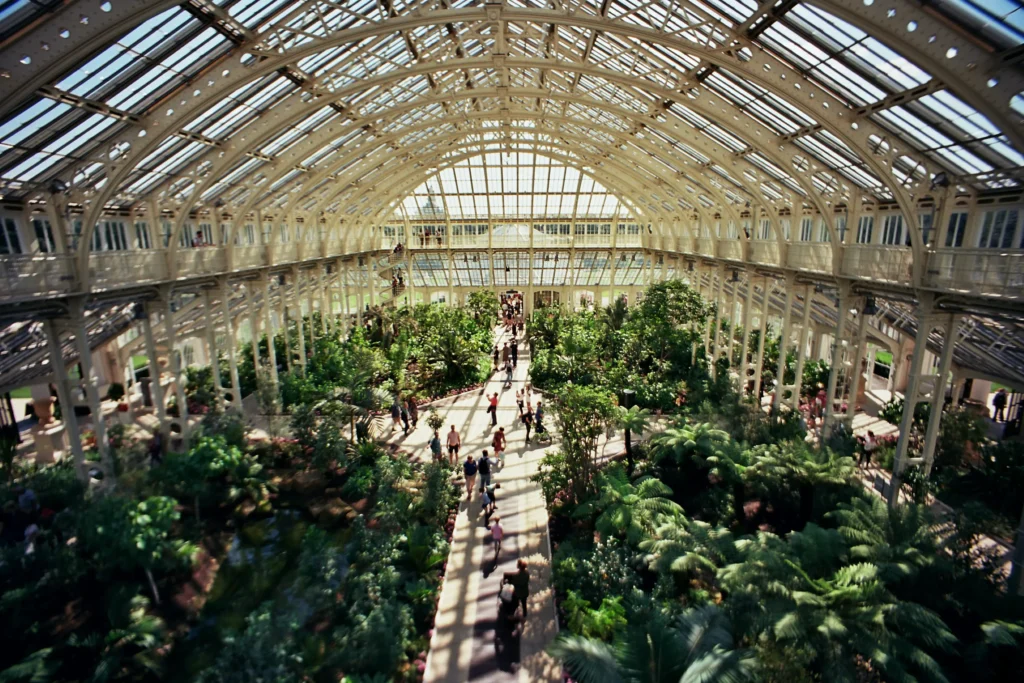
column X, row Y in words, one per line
column 464, row 646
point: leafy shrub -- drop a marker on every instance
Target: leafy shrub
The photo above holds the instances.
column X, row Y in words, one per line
column 594, row 571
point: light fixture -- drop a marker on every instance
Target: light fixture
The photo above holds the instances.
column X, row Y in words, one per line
column 869, row 306
column 57, row 186
column 689, row 267
column 735, row 276
column 941, row 179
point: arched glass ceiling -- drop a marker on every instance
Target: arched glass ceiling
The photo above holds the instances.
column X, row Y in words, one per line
column 313, row 105
column 510, row 185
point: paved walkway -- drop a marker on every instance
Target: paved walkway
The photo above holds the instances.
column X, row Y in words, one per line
column 469, row 643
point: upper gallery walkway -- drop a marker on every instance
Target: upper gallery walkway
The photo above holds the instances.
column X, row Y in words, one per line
column 986, row 276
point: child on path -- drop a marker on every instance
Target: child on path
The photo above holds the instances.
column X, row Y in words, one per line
column 497, row 533
column 435, row 446
column 498, row 443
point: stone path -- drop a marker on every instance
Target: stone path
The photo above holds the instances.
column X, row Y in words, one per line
column 469, row 643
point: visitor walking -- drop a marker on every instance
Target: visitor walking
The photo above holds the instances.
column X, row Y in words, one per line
column 498, row 443
column 495, row 356
column 867, row 448
column 999, row 403
column 515, row 350
column 414, row 412
column 483, row 467
column 435, row 446
column 497, row 534
column 508, row 375
column 469, row 470
column 396, row 414
column 520, row 581
column 488, row 503
column 454, row 442
column 527, row 419
column 506, row 354
column 493, row 409
column 405, row 418
column 519, row 402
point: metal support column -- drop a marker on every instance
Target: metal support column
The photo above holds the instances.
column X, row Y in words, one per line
column 787, row 314
column 299, row 326
column 748, row 307
column 859, row 348
column 939, row 391
column 211, row 348
column 156, row 388
column 67, row 402
column 254, row 324
column 730, row 316
column 837, row 358
column 175, row 366
column 282, row 304
column 763, row 327
column 801, row 349
column 925, row 323
column 268, row 323
column 719, row 293
column 229, row 332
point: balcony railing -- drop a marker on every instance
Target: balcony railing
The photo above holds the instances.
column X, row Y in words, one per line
column 38, row 276
column 730, row 249
column 877, row 262
column 706, row 246
column 997, row 272
column 251, row 256
column 764, row 252
column 112, row 269
column 816, row 256
column 201, row 261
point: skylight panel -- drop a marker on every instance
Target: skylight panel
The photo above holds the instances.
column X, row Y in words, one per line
column 793, row 47
column 200, row 48
column 845, row 83
column 886, row 66
column 38, row 117
column 87, row 132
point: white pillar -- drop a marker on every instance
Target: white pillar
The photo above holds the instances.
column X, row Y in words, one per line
column 763, row 326
column 801, row 350
column 211, row 348
column 855, row 367
column 268, row 323
column 837, row 358
column 229, row 332
column 718, row 295
column 67, row 402
column 939, row 392
column 174, row 363
column 254, row 327
column 925, row 323
column 731, row 318
column 787, row 313
column 748, row 307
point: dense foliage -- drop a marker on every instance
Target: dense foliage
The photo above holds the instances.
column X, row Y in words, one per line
column 729, row 548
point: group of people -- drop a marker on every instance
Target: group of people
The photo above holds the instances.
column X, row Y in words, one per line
column 22, row 519
column 512, row 311
column 405, row 414
column 397, row 282
column 509, row 359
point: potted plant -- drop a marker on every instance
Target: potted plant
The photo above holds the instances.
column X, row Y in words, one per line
column 434, row 421
column 117, row 393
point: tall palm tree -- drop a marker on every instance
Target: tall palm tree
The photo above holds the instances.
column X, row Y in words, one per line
column 614, row 315
column 697, row 647
column 899, row 541
column 795, row 466
column 789, row 593
column 626, row 509
column 689, row 547
column 633, row 419
column 696, row 442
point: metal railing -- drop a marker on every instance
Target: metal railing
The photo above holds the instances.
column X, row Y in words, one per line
column 977, row 271
column 38, row 276
column 730, row 249
column 112, row 269
column 764, row 252
column 877, row 262
column 816, row 256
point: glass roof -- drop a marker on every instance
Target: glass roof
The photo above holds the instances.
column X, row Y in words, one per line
column 654, row 106
column 510, row 185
